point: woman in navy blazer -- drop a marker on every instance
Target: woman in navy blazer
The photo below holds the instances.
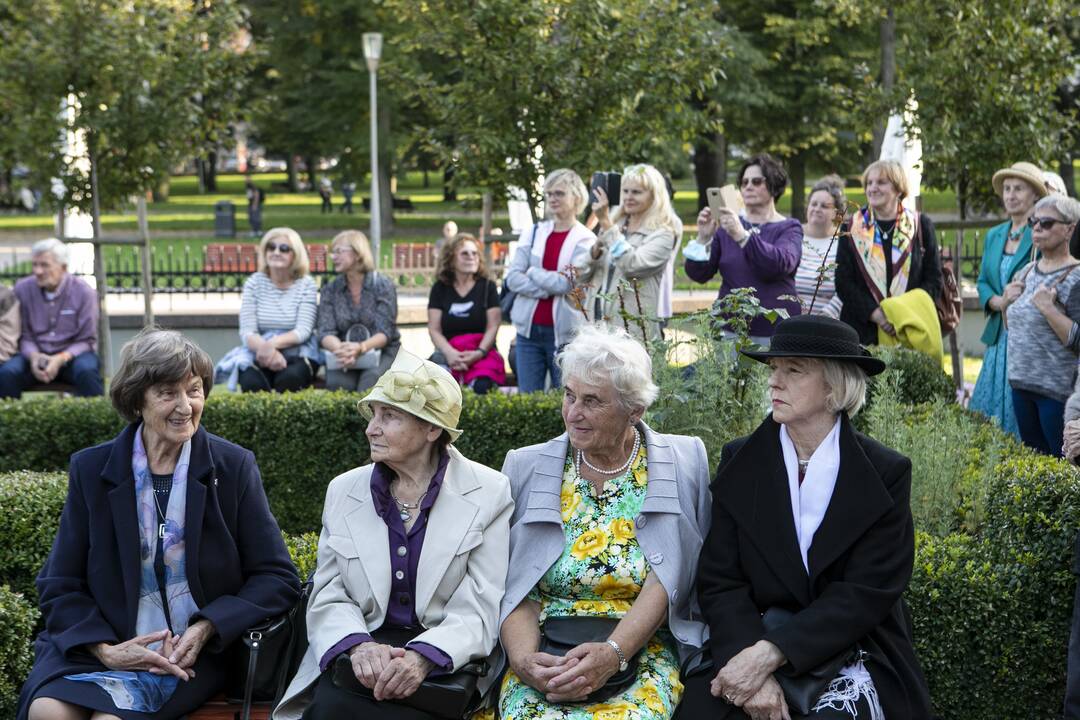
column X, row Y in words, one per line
column 111, row 597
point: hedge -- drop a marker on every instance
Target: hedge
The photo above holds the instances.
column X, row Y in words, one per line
column 18, row 618
column 30, row 505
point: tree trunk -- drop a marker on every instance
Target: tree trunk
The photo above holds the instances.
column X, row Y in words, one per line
column 161, row 191
column 1067, row 172
column 486, row 223
column 962, row 195
column 427, row 180
column 199, row 175
column 312, row 168
column 709, row 164
column 210, row 169
column 386, row 159
column 449, row 192
column 887, row 41
column 291, row 174
column 797, row 168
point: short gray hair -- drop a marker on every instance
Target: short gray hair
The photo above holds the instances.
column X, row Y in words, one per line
column 846, row 384
column 602, row 355
column 575, row 187
column 1066, row 207
column 51, row 245
column 152, row 357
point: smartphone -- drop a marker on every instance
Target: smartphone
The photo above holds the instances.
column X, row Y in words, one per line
column 732, row 198
column 716, row 201
column 611, row 182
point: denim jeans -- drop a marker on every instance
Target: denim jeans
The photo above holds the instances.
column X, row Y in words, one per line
column 536, row 358
column 1041, row 421
column 84, row 372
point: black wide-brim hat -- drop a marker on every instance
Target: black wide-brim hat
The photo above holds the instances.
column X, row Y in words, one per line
column 816, row 336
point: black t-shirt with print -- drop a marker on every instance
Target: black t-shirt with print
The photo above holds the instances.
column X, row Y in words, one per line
column 463, row 315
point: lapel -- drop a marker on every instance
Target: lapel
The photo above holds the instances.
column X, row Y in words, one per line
column 370, row 537
column 992, row 255
column 754, row 489
column 448, row 523
column 858, row 501
column 662, row 492
column 117, row 474
column 543, row 504
column 201, row 468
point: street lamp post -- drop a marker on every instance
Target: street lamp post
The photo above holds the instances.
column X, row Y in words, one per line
column 372, row 53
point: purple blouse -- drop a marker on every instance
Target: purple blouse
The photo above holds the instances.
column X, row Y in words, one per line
column 68, row 322
column 767, row 263
column 404, row 551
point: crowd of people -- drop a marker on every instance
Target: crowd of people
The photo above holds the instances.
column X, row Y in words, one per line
column 603, row 573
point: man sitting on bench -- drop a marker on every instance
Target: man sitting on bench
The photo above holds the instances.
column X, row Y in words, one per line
column 59, row 328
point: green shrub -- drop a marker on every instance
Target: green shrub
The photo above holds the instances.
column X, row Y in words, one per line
column 924, row 380
column 18, row 617
column 30, row 505
column 304, row 552
column 41, row 435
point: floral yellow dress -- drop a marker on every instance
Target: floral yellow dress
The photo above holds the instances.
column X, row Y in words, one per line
column 600, row 573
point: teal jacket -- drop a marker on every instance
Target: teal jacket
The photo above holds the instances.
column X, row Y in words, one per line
column 990, row 279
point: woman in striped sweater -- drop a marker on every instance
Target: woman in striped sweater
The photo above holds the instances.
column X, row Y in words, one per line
column 824, row 210
column 277, row 316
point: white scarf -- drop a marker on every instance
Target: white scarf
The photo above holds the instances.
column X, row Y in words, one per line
column 810, row 500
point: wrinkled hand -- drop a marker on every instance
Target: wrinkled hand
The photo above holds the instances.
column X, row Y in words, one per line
column 730, row 223
column 135, row 655
column 277, row 362
column 191, row 643
column 1012, row 291
column 56, row 364
column 745, row 673
column 768, row 703
column 38, row 372
column 347, row 352
column 878, row 316
column 402, row 675
column 596, row 662
column 1071, row 448
column 537, row 669
column 1044, row 298
column 706, row 225
column 369, row 660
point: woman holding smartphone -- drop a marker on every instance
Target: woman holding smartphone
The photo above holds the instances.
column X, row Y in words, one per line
column 760, row 249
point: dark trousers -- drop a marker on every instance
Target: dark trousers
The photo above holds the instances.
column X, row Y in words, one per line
column 333, row 703
column 297, row 375
column 1041, row 421
column 347, row 205
column 1072, row 679
column 698, row 702
column 327, row 205
column 84, row 372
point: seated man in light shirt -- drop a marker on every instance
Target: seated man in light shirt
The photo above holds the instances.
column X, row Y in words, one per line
column 59, row 315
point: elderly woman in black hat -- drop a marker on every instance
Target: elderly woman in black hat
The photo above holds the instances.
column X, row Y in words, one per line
column 802, row 574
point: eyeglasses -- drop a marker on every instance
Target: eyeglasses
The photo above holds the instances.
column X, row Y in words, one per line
column 755, row 181
column 283, row 248
column 1045, row 223
column 341, row 250
column 822, row 206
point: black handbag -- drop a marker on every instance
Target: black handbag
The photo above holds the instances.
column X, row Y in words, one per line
column 560, row 635
column 453, row 696
column 802, row 690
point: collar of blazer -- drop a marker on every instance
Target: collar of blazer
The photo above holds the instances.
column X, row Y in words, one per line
column 117, row 468
column 448, row 531
column 753, row 486
column 661, row 495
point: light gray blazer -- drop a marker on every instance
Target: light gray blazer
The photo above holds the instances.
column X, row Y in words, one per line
column 459, row 579
column 674, row 520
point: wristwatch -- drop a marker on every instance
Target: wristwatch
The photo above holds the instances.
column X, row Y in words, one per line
column 622, row 658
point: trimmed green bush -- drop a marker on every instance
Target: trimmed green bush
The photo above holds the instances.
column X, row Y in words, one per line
column 18, row 617
column 923, row 379
column 304, row 552
column 30, row 505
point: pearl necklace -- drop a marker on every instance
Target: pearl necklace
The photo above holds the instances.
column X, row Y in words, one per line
column 580, row 458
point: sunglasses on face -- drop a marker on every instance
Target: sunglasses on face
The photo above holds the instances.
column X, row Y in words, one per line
column 283, row 248
column 755, row 181
column 1045, row 223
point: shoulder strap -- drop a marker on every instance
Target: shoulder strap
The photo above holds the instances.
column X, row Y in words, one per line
column 1065, row 275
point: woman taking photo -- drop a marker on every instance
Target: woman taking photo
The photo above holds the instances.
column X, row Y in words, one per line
column 628, row 259
column 759, row 250
column 544, row 317
column 811, row 549
column 891, row 250
column 1007, row 248
column 603, row 546
column 464, row 317
column 413, row 547
column 357, row 314
column 1044, row 337
column 277, row 317
column 815, row 278
column 166, row 552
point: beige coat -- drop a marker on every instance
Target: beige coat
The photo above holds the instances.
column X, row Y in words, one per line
column 642, row 264
column 10, row 324
column 460, row 578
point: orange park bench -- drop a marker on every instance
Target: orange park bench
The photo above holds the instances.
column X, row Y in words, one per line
column 243, row 258
column 414, row 256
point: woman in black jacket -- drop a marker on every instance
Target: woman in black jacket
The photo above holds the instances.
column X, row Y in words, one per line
column 810, row 550
column 886, row 251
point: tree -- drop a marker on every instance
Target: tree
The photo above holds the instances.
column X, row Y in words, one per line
column 986, row 78
column 132, row 79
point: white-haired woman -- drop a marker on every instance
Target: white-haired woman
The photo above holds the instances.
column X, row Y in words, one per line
column 810, row 550
column 277, row 316
column 543, row 314
column 599, row 608
column 627, row 262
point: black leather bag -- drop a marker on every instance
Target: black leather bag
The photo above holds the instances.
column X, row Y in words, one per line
column 803, row 690
column 560, row 635
column 453, row 696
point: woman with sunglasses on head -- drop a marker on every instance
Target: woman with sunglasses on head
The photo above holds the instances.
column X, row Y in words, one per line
column 888, row 250
column 1044, row 334
column 760, row 249
column 277, row 317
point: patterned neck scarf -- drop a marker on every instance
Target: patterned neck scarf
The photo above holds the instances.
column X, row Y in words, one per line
column 870, row 251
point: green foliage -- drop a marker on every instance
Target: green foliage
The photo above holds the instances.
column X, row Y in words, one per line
column 18, row 618
column 921, row 378
column 30, row 505
column 42, row 435
column 304, row 552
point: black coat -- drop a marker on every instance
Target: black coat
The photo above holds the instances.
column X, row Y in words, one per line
column 860, row 564
column 238, row 568
column 924, row 272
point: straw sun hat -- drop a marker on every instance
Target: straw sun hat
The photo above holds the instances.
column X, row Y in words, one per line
column 420, row 388
column 1028, row 172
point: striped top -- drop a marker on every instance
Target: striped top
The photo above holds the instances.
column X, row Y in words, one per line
column 806, row 277
column 264, row 307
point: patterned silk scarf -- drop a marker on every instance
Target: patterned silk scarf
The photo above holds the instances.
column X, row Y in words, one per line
column 871, row 253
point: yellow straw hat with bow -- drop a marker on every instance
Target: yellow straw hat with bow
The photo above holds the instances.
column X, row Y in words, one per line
column 420, row 388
